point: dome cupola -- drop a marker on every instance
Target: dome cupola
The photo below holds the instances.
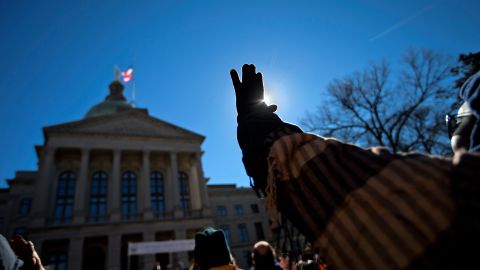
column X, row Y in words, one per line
column 115, row 102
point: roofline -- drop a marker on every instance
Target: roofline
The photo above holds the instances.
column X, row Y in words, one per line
column 222, row 185
column 51, row 129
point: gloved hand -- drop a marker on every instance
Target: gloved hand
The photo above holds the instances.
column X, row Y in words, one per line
column 249, row 92
column 256, row 121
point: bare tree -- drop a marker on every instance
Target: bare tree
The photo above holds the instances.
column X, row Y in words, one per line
column 404, row 112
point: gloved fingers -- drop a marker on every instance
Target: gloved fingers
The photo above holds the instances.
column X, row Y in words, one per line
column 259, row 82
column 259, row 91
column 235, row 79
column 248, row 73
column 245, row 68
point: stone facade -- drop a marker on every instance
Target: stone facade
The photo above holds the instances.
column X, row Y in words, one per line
column 122, row 177
column 242, row 216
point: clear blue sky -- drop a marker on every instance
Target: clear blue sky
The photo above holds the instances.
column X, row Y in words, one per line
column 57, row 58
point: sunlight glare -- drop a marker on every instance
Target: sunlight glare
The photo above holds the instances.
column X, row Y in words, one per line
column 267, row 99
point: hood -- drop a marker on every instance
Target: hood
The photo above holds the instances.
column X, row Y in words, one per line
column 470, row 93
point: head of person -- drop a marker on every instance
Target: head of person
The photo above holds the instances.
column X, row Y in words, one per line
column 464, row 127
column 211, row 249
column 263, row 256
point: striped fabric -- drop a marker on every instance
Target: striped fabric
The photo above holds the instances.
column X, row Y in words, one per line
column 368, row 208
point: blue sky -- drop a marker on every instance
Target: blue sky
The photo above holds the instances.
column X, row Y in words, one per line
column 57, row 58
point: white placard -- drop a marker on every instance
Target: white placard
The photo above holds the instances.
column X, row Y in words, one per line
column 142, row 248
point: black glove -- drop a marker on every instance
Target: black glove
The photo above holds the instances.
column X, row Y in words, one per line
column 249, row 93
column 256, row 121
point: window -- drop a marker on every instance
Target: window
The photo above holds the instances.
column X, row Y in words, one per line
column 238, row 210
column 63, row 210
column 129, row 196
column 221, row 211
column 228, row 233
column 259, row 231
column 54, row 253
column 98, row 197
column 57, row 261
column 25, row 205
column 243, row 233
column 157, row 194
column 254, row 208
column 184, row 191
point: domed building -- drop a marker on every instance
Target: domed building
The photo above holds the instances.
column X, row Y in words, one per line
column 117, row 176
column 114, row 103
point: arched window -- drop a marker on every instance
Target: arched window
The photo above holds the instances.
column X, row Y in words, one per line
column 157, row 194
column 129, row 196
column 184, row 191
column 63, row 210
column 98, row 197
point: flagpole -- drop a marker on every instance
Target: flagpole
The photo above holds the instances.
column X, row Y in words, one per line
column 127, row 77
column 134, row 75
column 133, row 89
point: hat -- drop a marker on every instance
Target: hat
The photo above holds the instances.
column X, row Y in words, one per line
column 211, row 249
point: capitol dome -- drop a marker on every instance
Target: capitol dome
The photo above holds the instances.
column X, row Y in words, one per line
column 115, row 102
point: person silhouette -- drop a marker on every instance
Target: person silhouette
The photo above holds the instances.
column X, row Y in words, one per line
column 366, row 207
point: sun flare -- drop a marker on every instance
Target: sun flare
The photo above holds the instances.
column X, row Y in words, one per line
column 267, row 99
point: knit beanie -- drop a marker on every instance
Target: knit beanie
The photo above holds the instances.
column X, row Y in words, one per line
column 211, row 249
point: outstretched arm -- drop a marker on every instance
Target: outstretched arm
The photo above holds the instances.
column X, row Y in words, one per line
column 257, row 123
column 363, row 208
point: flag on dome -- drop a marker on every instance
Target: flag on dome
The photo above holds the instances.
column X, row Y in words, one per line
column 127, row 75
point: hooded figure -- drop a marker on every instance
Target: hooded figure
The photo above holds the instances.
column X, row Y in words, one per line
column 469, row 127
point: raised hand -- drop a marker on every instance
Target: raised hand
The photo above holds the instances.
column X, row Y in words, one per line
column 255, row 121
column 249, row 92
column 26, row 251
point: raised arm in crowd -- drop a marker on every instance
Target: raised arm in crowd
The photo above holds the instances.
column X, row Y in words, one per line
column 366, row 208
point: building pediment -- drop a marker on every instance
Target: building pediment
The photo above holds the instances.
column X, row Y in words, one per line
column 134, row 122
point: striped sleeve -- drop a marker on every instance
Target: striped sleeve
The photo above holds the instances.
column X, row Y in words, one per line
column 363, row 208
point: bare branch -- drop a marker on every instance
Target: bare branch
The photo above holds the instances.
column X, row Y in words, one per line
column 401, row 111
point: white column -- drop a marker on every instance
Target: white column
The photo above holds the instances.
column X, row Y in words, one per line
column 81, row 188
column 201, row 182
column 43, row 193
column 175, row 185
column 75, row 253
column 168, row 192
column 114, row 190
column 114, row 245
column 145, row 187
column 194, row 186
